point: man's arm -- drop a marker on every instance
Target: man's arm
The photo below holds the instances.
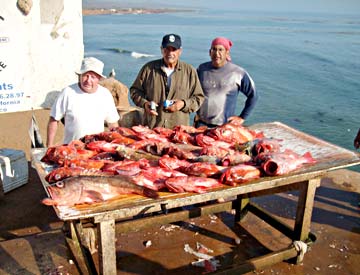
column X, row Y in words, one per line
column 51, row 131
column 137, row 92
column 247, row 87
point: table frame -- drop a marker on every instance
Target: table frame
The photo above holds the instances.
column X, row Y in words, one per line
column 139, row 212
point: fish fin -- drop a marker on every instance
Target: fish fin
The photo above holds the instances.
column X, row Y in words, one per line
column 95, row 196
column 309, row 158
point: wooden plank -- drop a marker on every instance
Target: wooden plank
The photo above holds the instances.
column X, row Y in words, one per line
column 259, row 262
column 107, row 249
column 271, row 220
column 241, row 207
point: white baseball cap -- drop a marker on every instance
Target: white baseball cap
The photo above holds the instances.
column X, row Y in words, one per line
column 91, row 64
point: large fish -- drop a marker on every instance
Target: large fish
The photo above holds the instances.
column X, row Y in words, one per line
column 280, row 163
column 93, row 189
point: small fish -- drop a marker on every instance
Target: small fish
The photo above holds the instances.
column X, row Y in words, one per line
column 133, row 154
column 239, row 174
column 191, row 184
column 92, row 189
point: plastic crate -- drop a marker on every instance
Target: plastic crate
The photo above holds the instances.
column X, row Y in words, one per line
column 14, row 171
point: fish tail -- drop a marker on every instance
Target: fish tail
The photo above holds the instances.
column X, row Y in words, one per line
column 150, row 193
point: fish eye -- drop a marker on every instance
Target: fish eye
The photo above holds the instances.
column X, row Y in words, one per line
column 60, row 184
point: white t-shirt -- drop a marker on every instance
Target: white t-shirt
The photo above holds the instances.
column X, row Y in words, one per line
column 84, row 113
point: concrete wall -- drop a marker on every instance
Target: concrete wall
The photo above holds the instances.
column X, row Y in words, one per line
column 39, row 51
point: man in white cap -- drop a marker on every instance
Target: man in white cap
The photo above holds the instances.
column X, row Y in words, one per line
column 84, row 106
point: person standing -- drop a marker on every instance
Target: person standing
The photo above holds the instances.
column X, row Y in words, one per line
column 222, row 81
column 85, row 106
column 357, row 140
column 168, row 89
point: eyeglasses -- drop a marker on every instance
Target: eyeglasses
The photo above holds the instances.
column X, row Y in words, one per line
column 220, row 50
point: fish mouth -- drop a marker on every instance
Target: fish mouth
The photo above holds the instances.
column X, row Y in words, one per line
column 271, row 168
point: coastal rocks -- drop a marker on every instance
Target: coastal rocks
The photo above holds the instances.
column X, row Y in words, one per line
column 118, row 90
column 25, row 6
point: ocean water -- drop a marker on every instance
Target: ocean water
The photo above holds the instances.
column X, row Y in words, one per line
column 306, row 65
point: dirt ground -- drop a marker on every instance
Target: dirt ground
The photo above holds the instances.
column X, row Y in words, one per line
column 32, row 242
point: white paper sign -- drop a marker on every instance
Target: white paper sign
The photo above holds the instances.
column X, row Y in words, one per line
column 13, row 68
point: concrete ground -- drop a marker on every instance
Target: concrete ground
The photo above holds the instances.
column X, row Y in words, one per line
column 31, row 240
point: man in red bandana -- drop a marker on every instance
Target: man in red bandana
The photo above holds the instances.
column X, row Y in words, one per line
column 221, row 81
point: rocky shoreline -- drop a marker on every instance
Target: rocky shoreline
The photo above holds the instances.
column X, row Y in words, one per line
column 99, row 11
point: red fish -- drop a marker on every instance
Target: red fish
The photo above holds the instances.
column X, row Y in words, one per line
column 232, row 133
column 133, row 166
column 173, row 163
column 102, row 146
column 115, row 137
column 163, row 131
column 66, row 172
column 235, row 158
column 86, row 164
column 216, row 151
column 202, row 169
column 154, row 177
column 204, row 140
column 182, row 137
column 280, row 163
column 266, row 145
column 93, row 189
column 191, row 184
column 127, row 132
column 190, row 129
column 147, row 181
column 57, row 154
column 239, row 173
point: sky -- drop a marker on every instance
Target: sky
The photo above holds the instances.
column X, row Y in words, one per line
column 326, row 6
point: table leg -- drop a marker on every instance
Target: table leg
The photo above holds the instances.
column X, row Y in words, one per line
column 82, row 258
column 240, row 206
column 107, row 248
column 304, row 210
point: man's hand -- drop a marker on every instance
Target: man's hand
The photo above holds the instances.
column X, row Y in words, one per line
column 236, row 120
column 176, row 106
column 149, row 110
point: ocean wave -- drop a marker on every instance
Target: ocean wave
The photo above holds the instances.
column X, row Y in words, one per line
column 131, row 53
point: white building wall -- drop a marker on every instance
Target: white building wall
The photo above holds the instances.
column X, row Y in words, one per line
column 39, row 52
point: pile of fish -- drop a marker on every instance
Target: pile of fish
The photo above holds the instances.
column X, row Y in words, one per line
column 143, row 161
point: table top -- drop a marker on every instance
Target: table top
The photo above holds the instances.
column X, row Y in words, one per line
column 328, row 156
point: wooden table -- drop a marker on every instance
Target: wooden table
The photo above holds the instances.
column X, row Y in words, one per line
column 132, row 210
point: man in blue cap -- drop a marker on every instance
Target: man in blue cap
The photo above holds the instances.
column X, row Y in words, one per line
column 168, row 89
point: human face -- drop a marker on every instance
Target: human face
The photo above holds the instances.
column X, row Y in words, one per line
column 89, row 82
column 218, row 55
column 171, row 56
